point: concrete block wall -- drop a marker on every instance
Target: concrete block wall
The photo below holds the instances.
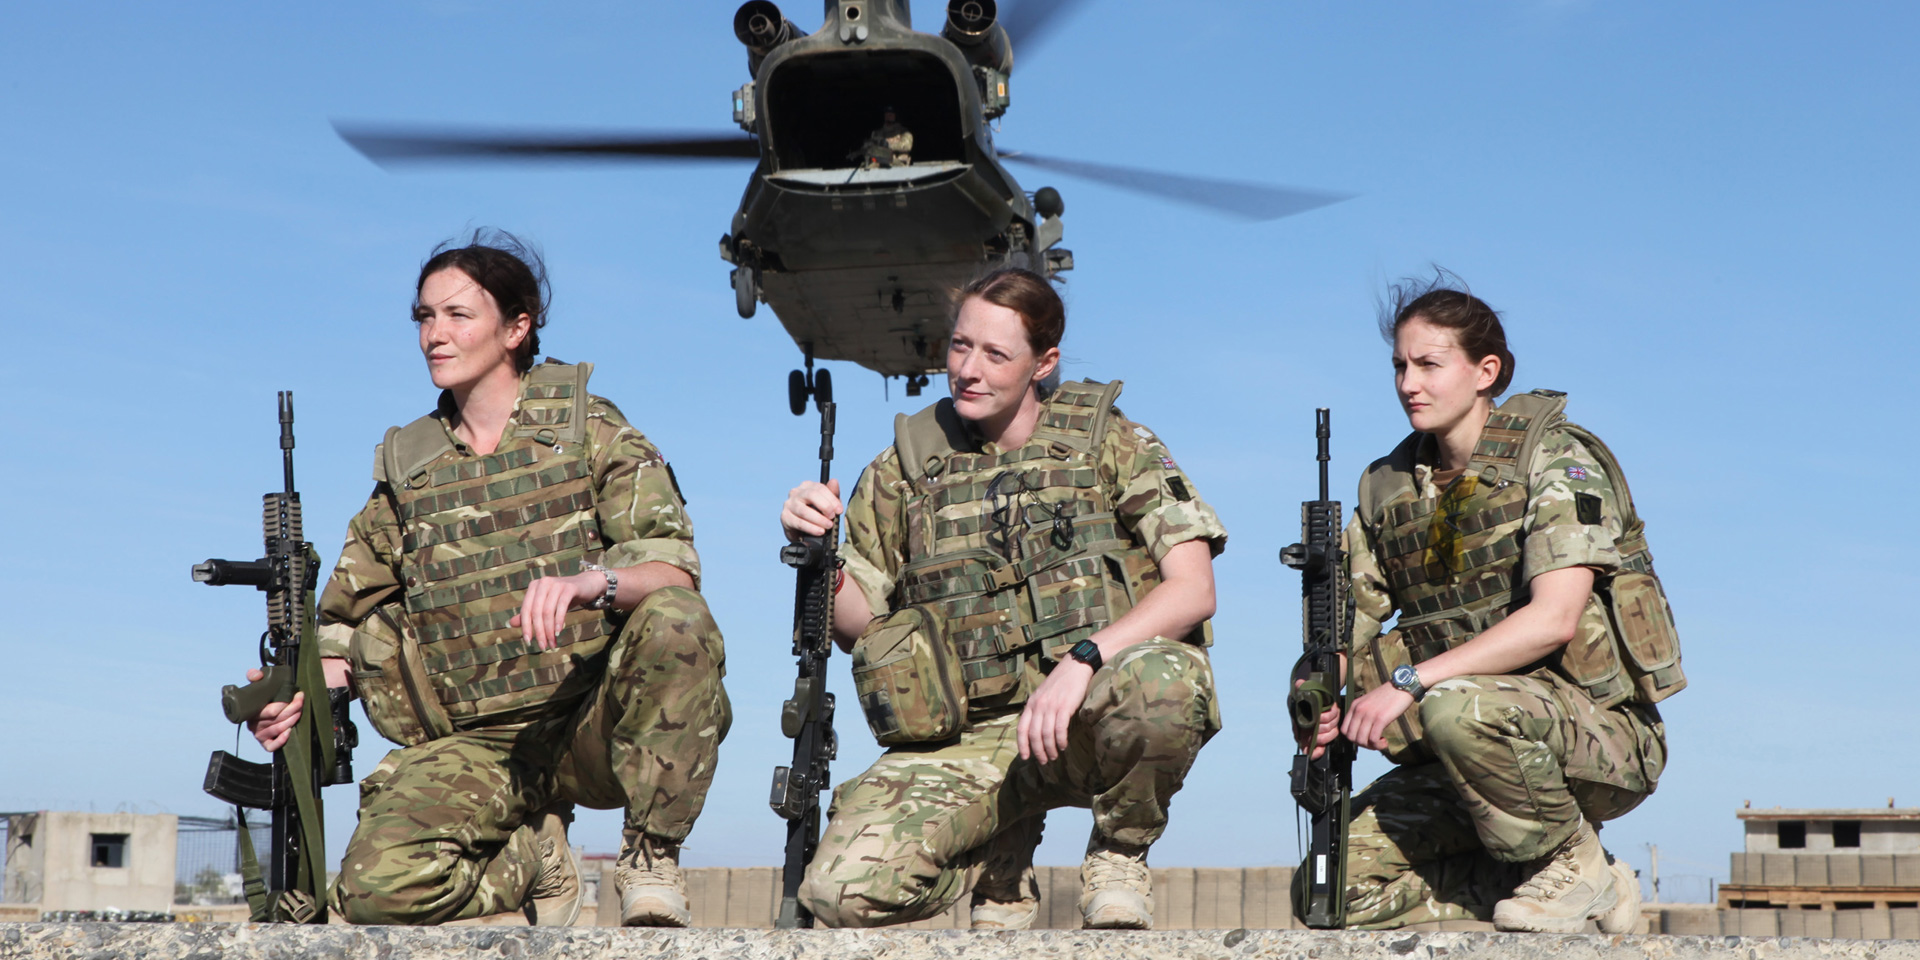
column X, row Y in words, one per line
column 1876, row 924
column 1825, row 870
column 1185, row 898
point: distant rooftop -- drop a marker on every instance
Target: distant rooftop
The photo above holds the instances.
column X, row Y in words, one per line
column 1888, row 812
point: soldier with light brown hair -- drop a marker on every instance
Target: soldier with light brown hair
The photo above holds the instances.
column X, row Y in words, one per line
column 1028, row 583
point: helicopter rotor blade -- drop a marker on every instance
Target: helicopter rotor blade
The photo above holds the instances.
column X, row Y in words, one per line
column 399, row 145
column 1028, row 22
column 1236, row 198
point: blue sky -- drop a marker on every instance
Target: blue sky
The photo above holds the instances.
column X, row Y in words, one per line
column 1697, row 219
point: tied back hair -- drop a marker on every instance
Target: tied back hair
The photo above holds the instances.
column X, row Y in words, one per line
column 509, row 269
column 1445, row 301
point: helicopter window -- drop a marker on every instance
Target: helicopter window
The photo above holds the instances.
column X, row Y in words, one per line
column 822, row 108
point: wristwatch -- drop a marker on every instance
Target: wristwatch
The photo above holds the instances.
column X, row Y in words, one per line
column 1405, row 677
column 605, row 600
column 1087, row 652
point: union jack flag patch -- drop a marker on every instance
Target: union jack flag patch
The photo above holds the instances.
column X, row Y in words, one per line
column 1168, row 463
column 1576, row 473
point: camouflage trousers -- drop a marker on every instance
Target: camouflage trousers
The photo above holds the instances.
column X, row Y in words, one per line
column 444, row 833
column 902, row 836
column 1521, row 760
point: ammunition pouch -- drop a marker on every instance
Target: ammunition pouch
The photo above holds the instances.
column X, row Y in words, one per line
column 1643, row 623
column 387, row 675
column 909, row 679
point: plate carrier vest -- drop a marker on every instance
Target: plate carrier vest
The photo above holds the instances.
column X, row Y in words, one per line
column 1019, row 551
column 477, row 530
column 1625, row 648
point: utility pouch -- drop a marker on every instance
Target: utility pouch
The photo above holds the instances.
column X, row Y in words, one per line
column 1591, row 659
column 908, row 678
column 1644, row 623
column 380, row 677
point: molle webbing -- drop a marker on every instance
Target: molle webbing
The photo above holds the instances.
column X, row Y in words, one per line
column 584, row 537
column 567, row 469
column 1016, row 549
column 474, row 591
column 509, row 649
column 429, row 535
column 1416, row 541
column 478, row 530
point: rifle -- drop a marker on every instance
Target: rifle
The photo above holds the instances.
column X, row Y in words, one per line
column 320, row 750
column 807, row 718
column 1321, row 787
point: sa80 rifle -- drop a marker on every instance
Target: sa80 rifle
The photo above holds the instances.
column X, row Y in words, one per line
column 319, row 752
column 1321, row 786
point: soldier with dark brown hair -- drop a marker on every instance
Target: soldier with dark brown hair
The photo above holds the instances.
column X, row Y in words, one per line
column 1027, row 587
column 1516, row 687
column 516, row 605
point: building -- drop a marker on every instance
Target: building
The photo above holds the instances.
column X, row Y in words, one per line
column 1839, row 859
column 90, row 861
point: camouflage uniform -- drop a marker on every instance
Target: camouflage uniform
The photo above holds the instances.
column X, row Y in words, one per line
column 1495, row 771
column 902, row 835
column 633, row 721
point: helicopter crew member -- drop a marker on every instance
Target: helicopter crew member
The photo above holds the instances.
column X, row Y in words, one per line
column 1028, row 579
column 889, row 146
column 517, row 606
column 1516, row 690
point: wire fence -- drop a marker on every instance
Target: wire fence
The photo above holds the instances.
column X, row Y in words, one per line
column 207, row 864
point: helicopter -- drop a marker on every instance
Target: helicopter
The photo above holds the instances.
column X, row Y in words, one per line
column 855, row 243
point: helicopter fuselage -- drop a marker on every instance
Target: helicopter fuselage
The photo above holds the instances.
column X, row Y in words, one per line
column 859, row 260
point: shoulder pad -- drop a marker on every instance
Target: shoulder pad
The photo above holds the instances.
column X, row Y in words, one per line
column 924, row 440
column 1386, row 478
column 380, row 463
column 407, row 450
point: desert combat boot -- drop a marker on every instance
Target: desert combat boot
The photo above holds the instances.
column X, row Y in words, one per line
column 1116, row 886
column 653, row 892
column 1569, row 886
column 555, row 898
column 1006, row 896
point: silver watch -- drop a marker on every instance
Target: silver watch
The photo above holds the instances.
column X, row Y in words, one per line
column 605, row 600
column 1405, row 677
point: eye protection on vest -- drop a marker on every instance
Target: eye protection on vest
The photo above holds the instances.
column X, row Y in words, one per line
column 1009, row 515
column 1445, row 549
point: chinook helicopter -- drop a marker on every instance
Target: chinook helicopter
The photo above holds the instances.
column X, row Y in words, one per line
column 855, row 245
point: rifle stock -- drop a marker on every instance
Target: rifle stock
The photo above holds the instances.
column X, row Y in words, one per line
column 1322, row 786
column 807, row 717
column 290, row 886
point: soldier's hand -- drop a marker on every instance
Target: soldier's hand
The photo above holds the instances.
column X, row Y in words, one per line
column 276, row 720
column 1325, row 734
column 1044, row 722
column 1366, row 723
column 543, row 614
column 811, row 509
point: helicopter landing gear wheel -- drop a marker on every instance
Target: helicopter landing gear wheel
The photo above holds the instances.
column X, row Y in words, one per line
column 745, row 291
column 816, row 385
column 916, row 382
column 797, row 392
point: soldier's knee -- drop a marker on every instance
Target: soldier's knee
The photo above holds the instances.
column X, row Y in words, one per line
column 675, row 621
column 836, row 903
column 1448, row 715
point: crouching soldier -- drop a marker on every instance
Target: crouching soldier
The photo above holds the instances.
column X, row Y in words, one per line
column 516, row 605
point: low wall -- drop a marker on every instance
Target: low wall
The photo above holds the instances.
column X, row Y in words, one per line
column 258, row 942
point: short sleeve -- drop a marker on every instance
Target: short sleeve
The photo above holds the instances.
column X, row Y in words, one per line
column 637, row 499
column 876, row 534
column 1573, row 516
column 366, row 575
column 1372, row 602
column 1152, row 496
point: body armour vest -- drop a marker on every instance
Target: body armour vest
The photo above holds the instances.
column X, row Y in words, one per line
column 1452, row 563
column 477, row 530
column 1020, row 550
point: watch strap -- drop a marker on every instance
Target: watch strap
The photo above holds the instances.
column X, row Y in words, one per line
column 1087, row 652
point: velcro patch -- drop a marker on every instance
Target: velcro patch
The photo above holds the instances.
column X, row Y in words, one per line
column 1576, row 473
column 1586, row 506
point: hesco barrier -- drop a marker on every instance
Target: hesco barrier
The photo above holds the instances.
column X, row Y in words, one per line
column 99, row 941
